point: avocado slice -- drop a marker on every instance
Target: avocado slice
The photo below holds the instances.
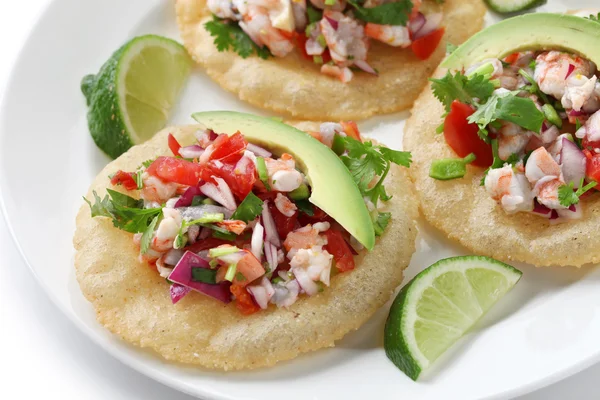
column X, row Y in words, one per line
column 538, row 31
column 333, row 189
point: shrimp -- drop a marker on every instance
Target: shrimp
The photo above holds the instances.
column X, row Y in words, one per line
column 591, row 129
column 257, row 25
column 347, row 42
column 512, row 139
column 315, row 261
column 232, row 225
column 338, row 5
column 157, row 190
column 549, row 135
column 283, row 175
column 303, row 238
column 546, row 191
column 510, row 189
column 578, row 92
column 392, row 35
column 552, row 71
column 167, row 230
column 223, row 9
column 328, row 131
column 541, row 164
column 284, row 205
column 344, row 74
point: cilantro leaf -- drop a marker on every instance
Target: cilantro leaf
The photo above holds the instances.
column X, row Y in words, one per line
column 126, row 212
column 403, row 158
column 567, row 196
column 508, row 107
column 380, row 222
column 248, row 209
column 229, row 36
column 396, row 13
column 147, row 163
column 462, row 88
column 147, row 235
column 313, row 14
column 305, row 206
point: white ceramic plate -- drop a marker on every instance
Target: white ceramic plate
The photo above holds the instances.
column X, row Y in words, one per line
column 546, row 329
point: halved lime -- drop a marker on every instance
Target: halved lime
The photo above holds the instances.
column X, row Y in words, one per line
column 511, row 6
column 439, row 305
column 131, row 97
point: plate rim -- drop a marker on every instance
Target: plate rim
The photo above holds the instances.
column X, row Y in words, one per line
column 132, row 361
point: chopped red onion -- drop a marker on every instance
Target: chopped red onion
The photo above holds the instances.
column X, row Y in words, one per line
column 242, row 164
column 332, row 22
column 417, row 23
column 308, row 285
column 221, row 193
column 570, row 71
column 432, row 22
column 271, row 233
column 178, row 292
column 262, row 292
column 193, row 151
column 365, row 67
column 554, row 215
column 188, row 196
column 271, row 256
column 541, row 209
column 259, row 151
column 573, row 162
column 193, row 233
column 574, row 113
column 182, row 274
column 257, row 241
column 212, row 135
column 204, row 233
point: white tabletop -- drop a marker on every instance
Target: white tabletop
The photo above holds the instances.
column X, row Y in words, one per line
column 45, row 356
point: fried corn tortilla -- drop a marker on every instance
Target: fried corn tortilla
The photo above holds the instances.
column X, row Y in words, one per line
column 132, row 300
column 466, row 213
column 295, row 86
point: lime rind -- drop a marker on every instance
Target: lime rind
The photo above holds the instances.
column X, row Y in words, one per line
column 439, row 305
column 513, row 6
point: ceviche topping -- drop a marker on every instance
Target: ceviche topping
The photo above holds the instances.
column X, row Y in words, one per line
column 335, row 34
column 234, row 221
column 533, row 119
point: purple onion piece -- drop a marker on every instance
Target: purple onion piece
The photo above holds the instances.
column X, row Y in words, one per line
column 178, row 292
column 188, row 196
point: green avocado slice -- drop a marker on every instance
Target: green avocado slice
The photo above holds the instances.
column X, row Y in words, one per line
column 538, row 31
column 333, row 189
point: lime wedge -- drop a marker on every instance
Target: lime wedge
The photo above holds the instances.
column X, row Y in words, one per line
column 131, row 97
column 439, row 305
column 511, row 6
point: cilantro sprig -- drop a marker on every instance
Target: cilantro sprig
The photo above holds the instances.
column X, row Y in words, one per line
column 568, row 196
column 229, row 36
column 368, row 162
column 466, row 89
column 397, row 13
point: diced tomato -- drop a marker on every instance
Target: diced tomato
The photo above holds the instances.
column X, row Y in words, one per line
column 462, row 136
column 229, row 149
column 124, row 178
column 243, row 300
column 171, row 169
column 593, row 168
column 341, row 251
column 283, row 223
column 318, row 216
column 425, row 46
column 174, row 144
column 250, row 268
column 240, row 182
column 590, row 144
column 351, row 129
column 511, row 59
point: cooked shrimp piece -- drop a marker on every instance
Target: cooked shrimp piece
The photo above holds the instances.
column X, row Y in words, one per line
column 553, row 69
column 232, row 225
column 510, row 189
column 285, row 205
column 167, row 230
column 343, row 74
column 541, row 164
column 338, row 5
column 346, row 43
column 546, row 191
column 328, row 131
column 315, row 261
column 578, row 92
column 591, row 128
column 303, row 238
column 283, row 175
column 156, row 189
column 223, row 9
column 511, row 139
column 257, row 24
column 393, row 35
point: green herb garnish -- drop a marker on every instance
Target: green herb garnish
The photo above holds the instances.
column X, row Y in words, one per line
column 397, row 13
column 248, row 209
column 462, row 88
column 204, row 275
column 568, row 196
column 230, row 36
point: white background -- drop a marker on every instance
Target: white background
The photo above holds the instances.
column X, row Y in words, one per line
column 45, row 356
